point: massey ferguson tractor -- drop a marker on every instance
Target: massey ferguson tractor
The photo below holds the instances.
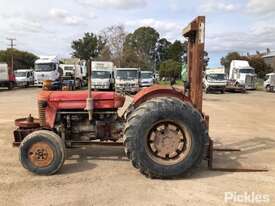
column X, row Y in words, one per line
column 164, row 131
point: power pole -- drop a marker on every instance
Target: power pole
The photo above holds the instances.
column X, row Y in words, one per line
column 11, row 46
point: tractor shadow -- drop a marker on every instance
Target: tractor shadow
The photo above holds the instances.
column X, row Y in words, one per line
column 239, row 159
column 79, row 159
column 82, row 157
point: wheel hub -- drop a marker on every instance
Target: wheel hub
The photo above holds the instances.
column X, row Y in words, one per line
column 40, row 154
column 168, row 143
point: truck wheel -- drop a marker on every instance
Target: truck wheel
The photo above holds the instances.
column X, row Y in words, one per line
column 165, row 138
column 42, row 152
column 268, row 88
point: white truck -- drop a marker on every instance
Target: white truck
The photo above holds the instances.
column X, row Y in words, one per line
column 127, row 79
column 241, row 74
column 72, row 74
column 269, row 83
column 46, row 68
column 24, row 77
column 146, row 78
column 7, row 78
column 214, row 80
column 102, row 75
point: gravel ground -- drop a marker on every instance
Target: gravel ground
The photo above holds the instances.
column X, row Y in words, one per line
column 103, row 176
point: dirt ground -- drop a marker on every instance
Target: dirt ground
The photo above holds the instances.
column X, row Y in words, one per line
column 103, row 176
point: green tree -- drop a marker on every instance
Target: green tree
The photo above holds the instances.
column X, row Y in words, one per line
column 176, row 50
column 162, row 50
column 170, row 69
column 143, row 43
column 21, row 59
column 90, row 46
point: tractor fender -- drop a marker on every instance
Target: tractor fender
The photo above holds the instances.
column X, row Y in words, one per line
column 158, row 91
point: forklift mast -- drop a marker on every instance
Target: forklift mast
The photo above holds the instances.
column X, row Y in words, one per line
column 195, row 33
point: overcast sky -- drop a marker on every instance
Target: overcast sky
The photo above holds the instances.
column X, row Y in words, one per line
column 48, row 27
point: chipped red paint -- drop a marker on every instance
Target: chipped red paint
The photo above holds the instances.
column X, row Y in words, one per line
column 158, row 91
column 76, row 100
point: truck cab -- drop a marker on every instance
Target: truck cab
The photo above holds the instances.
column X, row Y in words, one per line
column 127, row 79
column 24, row 77
column 243, row 74
column 214, row 80
column 146, row 78
column 102, row 75
column 46, row 68
column 269, row 83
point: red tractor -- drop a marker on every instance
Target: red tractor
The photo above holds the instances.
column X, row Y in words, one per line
column 164, row 131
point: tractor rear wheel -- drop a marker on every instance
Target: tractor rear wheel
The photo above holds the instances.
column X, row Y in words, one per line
column 42, row 152
column 165, row 137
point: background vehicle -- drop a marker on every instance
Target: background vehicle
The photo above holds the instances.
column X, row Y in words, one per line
column 214, row 80
column 7, row 77
column 242, row 74
column 127, row 79
column 269, row 83
column 46, row 68
column 102, row 75
column 72, row 75
column 24, row 77
column 146, row 78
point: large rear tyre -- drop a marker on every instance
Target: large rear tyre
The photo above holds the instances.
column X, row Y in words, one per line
column 42, row 152
column 165, row 138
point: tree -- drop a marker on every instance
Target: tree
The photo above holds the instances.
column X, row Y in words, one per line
column 22, row 59
column 176, row 51
column 90, row 46
column 143, row 43
column 162, row 50
column 170, row 69
column 115, row 37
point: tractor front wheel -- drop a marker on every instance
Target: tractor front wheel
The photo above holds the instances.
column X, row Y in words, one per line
column 42, row 152
column 165, row 137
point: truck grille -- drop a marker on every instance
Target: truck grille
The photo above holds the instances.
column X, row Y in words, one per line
column 42, row 113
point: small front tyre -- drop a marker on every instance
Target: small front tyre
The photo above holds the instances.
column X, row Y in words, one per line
column 42, row 152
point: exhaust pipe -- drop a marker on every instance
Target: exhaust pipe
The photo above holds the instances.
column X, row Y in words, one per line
column 89, row 100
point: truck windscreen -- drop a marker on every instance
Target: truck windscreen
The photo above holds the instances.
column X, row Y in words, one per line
column 44, row 67
column 215, row 77
column 101, row 75
column 146, row 75
column 127, row 74
column 247, row 70
column 20, row 74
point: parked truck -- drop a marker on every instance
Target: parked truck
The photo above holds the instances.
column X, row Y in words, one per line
column 127, row 79
column 269, row 83
column 72, row 75
column 102, row 75
column 24, row 77
column 214, row 80
column 241, row 74
column 7, row 77
column 146, row 78
column 47, row 68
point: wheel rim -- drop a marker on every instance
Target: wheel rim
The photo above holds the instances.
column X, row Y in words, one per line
column 168, row 143
column 41, row 154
